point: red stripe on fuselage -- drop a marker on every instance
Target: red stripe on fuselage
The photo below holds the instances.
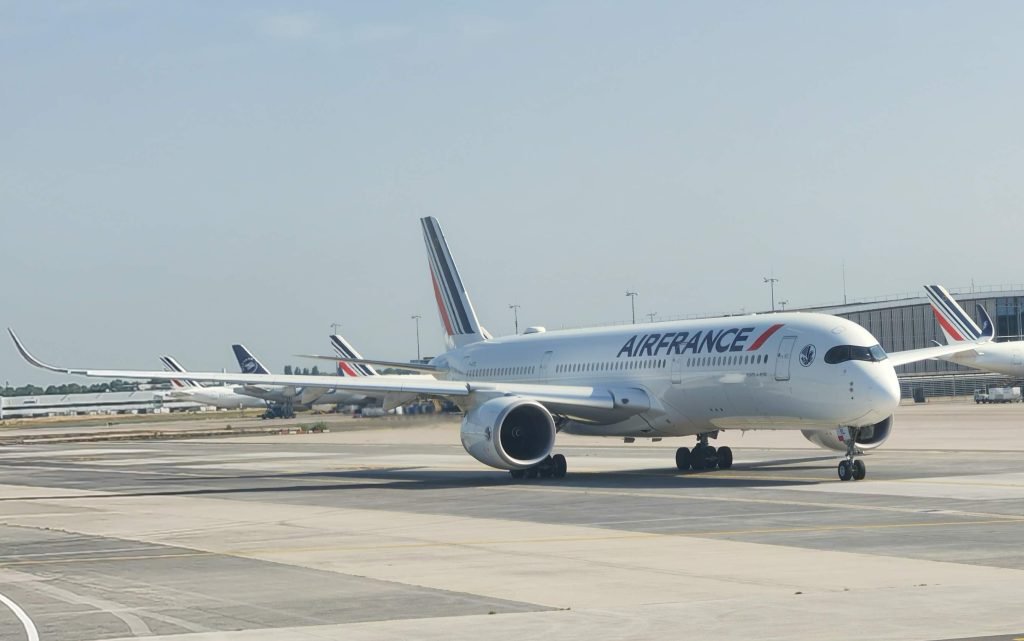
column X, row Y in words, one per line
column 440, row 304
column 946, row 325
column 763, row 337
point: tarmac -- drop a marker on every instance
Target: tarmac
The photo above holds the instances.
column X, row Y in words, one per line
column 389, row 530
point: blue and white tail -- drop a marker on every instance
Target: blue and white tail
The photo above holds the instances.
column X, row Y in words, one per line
column 460, row 323
column 344, row 350
column 954, row 321
column 171, row 365
column 248, row 363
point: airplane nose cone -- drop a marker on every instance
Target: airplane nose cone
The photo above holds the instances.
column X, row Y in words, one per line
column 886, row 390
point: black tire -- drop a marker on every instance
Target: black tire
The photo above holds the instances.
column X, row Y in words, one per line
column 697, row 458
column 532, row 472
column 517, row 474
column 845, row 470
column 560, row 466
column 859, row 470
column 724, row 457
column 683, row 458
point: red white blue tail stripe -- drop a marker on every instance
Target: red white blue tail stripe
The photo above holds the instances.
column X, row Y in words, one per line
column 457, row 314
column 344, row 350
column 954, row 321
column 172, row 365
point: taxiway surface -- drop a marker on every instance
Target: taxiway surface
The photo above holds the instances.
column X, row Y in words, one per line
column 395, row 533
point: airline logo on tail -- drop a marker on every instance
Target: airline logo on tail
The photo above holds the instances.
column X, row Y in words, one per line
column 248, row 363
column 954, row 321
column 172, row 365
column 457, row 315
column 345, row 350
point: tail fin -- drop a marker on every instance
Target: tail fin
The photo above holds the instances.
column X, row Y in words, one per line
column 172, row 365
column 457, row 315
column 954, row 321
column 342, row 347
column 248, row 363
column 988, row 329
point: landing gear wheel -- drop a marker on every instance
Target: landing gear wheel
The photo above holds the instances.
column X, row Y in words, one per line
column 559, row 466
column 697, row 458
column 532, row 472
column 683, row 458
column 845, row 470
column 724, row 457
column 859, row 470
column 517, row 474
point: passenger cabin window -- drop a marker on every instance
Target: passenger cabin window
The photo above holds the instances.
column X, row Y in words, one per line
column 843, row 353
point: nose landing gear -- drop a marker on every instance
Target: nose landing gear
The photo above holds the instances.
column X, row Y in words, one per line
column 851, row 468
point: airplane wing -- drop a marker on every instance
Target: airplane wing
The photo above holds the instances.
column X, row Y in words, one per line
column 925, row 353
column 574, row 400
column 413, row 367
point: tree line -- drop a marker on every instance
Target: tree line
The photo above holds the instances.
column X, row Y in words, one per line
column 70, row 388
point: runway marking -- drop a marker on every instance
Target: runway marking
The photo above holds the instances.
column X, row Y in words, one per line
column 734, row 499
column 96, row 559
column 30, row 627
column 611, row 537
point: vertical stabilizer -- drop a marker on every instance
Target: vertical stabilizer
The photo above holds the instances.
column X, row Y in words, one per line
column 248, row 363
column 458, row 318
column 172, row 365
column 954, row 321
column 345, row 350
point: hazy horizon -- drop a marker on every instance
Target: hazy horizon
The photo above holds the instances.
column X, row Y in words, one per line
column 179, row 177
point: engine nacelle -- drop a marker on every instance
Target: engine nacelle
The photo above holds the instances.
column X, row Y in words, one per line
column 509, row 433
column 869, row 438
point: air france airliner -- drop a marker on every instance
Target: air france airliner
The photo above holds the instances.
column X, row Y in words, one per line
column 820, row 374
column 223, row 397
column 960, row 329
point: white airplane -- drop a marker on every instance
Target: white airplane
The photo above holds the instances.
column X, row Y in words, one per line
column 960, row 329
column 820, row 374
column 291, row 397
column 219, row 396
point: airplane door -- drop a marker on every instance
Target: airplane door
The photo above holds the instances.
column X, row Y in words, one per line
column 545, row 365
column 677, row 371
column 782, row 358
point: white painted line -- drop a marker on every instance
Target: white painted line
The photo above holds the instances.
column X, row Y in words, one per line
column 30, row 628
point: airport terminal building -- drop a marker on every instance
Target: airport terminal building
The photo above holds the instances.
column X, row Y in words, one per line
column 902, row 323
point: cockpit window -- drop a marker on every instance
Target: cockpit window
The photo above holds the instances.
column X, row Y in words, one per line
column 843, row 353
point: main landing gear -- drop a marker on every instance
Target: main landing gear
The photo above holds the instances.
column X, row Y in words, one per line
column 704, row 456
column 551, row 467
column 851, row 468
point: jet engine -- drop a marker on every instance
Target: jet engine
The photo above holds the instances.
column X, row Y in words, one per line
column 869, row 438
column 509, row 433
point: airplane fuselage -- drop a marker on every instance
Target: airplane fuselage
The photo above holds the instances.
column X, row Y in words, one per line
column 744, row 372
column 1002, row 358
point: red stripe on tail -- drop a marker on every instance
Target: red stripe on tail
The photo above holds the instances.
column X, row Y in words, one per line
column 946, row 325
column 440, row 305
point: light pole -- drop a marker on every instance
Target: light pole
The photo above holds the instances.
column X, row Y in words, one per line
column 783, row 303
column 651, row 315
column 417, row 317
column 515, row 313
column 632, row 304
column 771, row 281
column 334, row 327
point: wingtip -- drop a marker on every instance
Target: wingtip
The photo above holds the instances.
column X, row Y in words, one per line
column 32, row 360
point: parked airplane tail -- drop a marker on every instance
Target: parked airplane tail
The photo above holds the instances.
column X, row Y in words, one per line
column 956, row 324
column 171, row 365
column 344, row 350
column 458, row 318
column 248, row 363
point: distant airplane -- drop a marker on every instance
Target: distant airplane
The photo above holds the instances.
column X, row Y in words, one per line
column 219, row 396
column 817, row 373
column 292, row 397
column 960, row 329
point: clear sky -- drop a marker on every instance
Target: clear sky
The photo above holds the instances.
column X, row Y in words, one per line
column 178, row 176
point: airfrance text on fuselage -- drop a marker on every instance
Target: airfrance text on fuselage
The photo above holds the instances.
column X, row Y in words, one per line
column 700, row 342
